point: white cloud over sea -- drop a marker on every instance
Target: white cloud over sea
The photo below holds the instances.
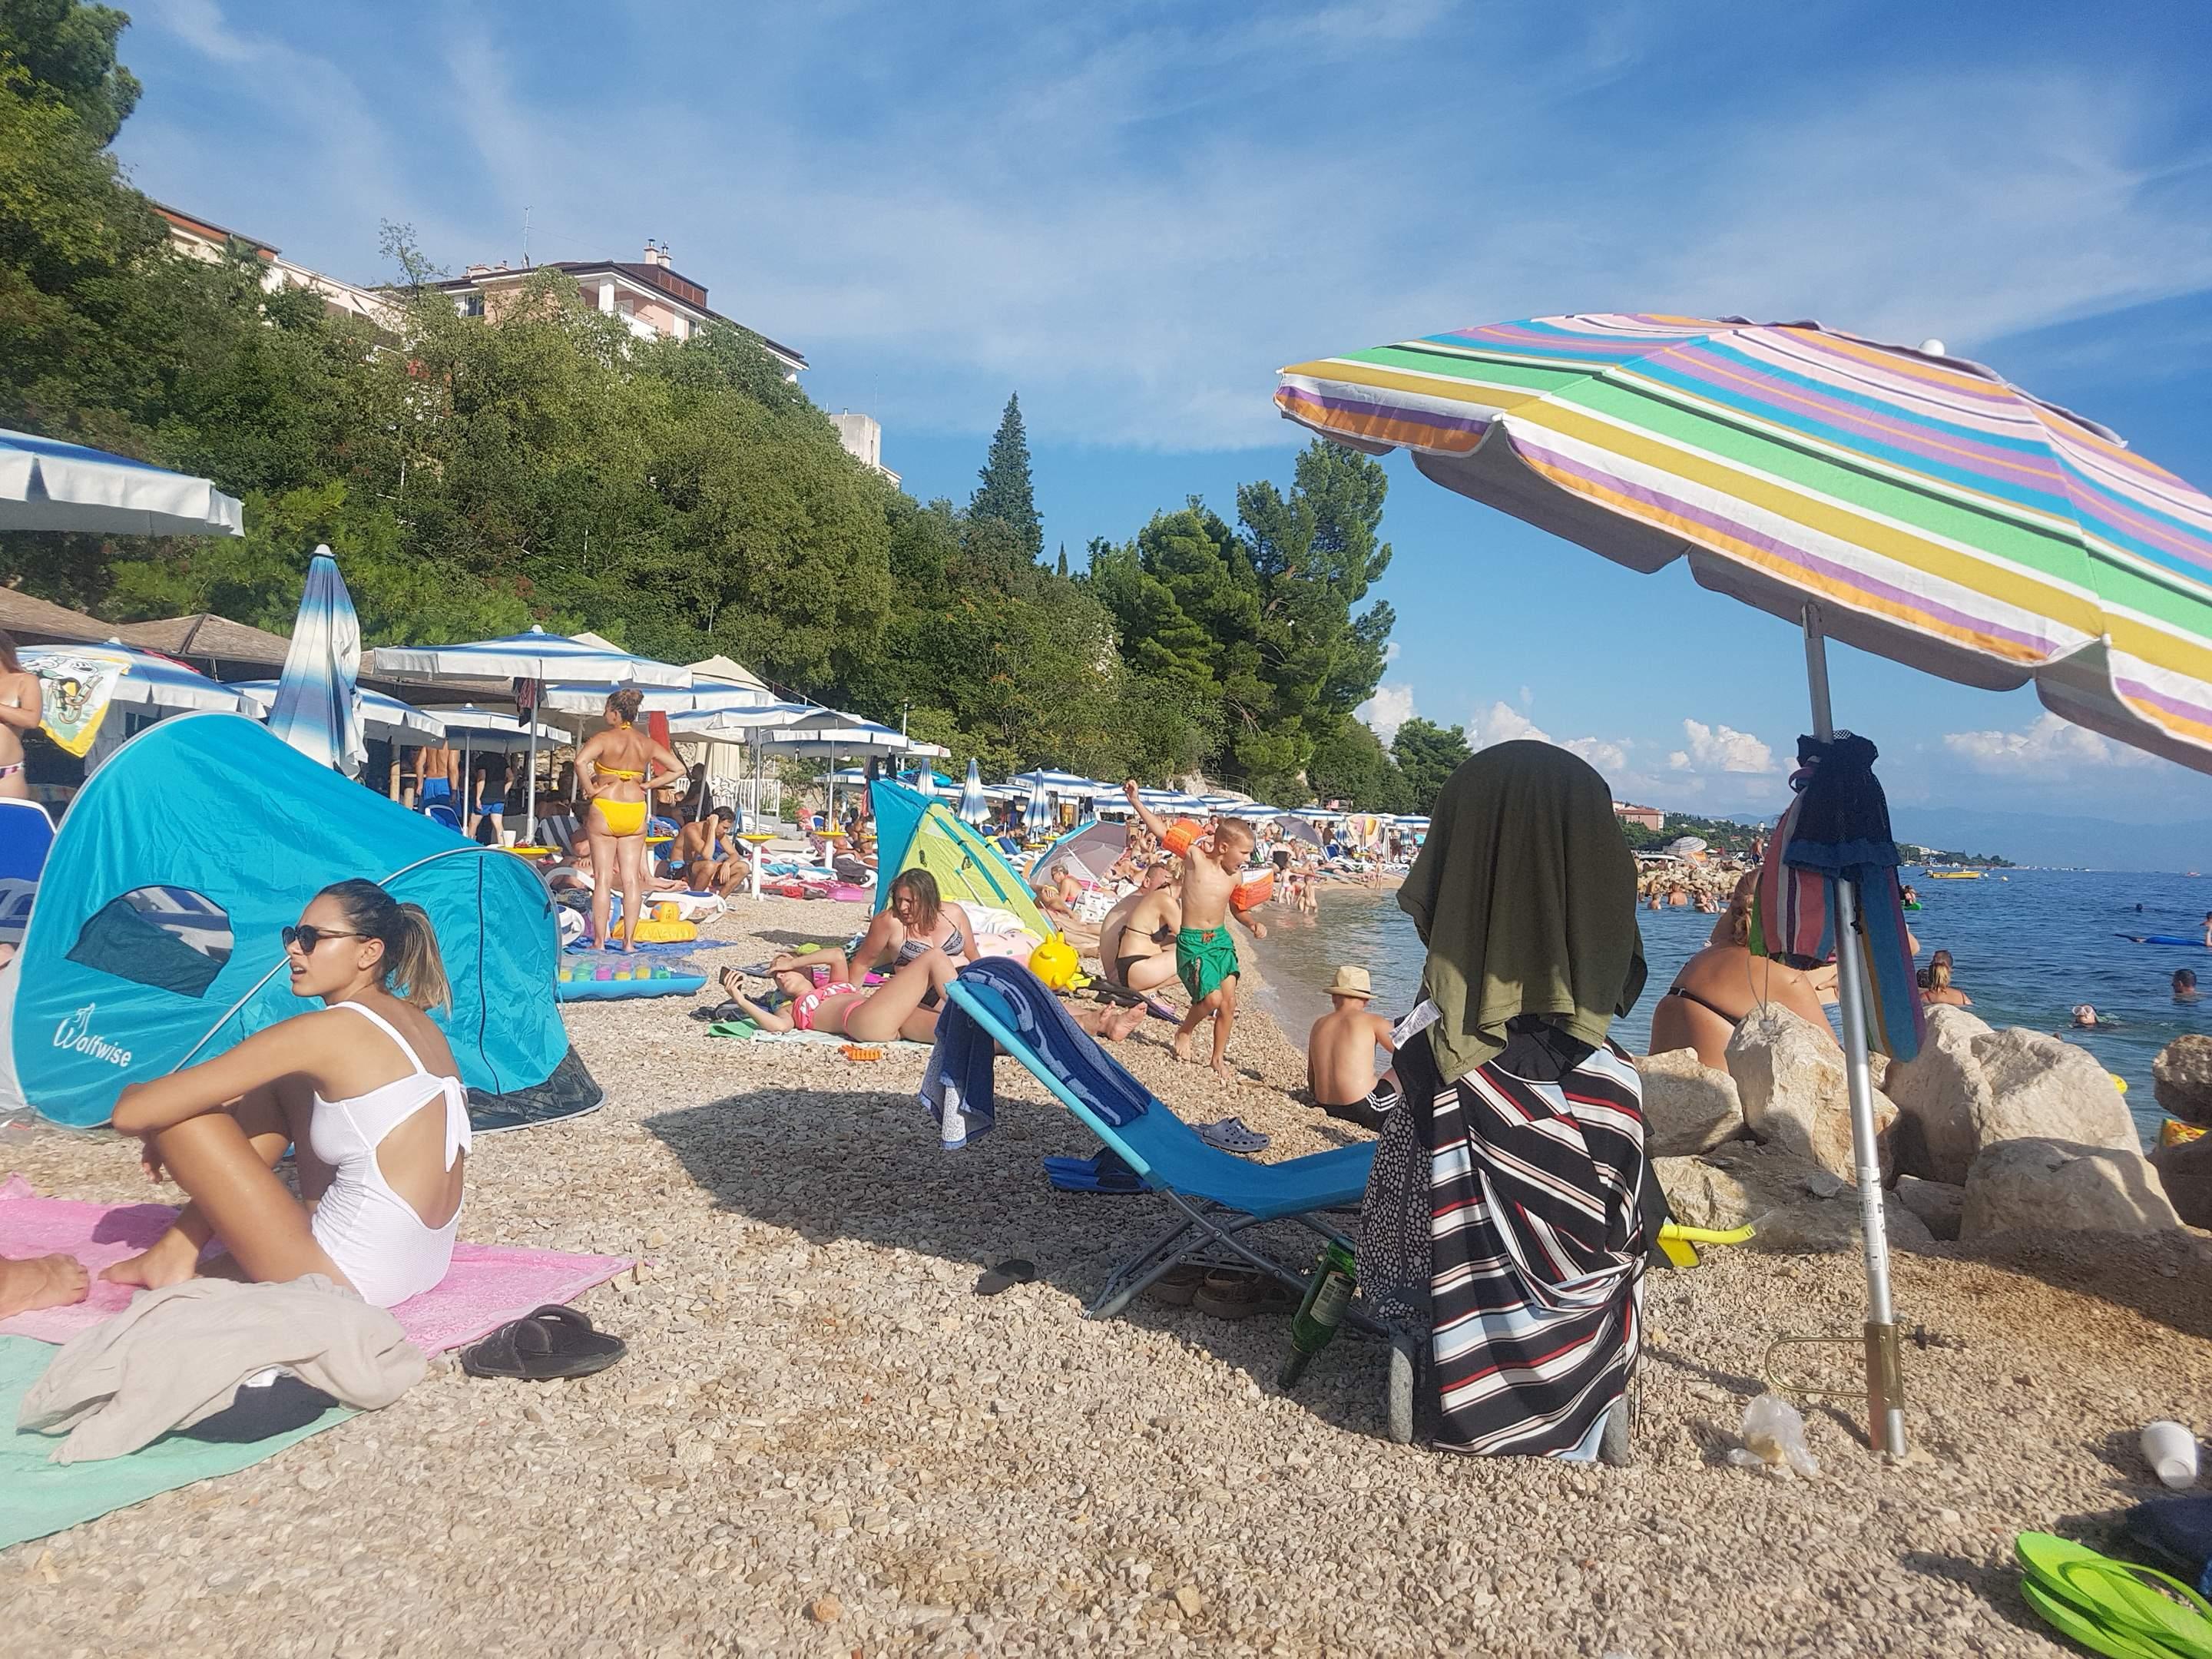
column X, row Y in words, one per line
column 2047, row 748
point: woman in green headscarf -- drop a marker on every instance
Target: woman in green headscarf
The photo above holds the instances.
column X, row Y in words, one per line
column 1501, row 1223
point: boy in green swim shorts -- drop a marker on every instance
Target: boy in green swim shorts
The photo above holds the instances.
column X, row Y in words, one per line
column 1206, row 954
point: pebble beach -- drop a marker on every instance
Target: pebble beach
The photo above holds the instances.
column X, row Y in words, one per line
column 825, row 1442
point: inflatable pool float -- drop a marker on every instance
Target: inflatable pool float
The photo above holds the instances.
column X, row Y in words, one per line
column 2177, row 941
column 581, row 981
column 654, row 931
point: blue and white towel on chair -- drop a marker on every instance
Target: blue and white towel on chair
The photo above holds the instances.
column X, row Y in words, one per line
column 957, row 1090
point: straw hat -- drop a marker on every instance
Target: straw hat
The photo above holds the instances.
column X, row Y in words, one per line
column 1351, row 982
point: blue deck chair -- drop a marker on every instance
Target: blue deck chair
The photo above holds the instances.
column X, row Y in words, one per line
column 1216, row 1195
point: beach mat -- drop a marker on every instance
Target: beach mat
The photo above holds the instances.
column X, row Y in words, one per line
column 37, row 1497
column 488, row 1284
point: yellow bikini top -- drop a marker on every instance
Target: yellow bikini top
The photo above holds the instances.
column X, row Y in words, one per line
column 616, row 772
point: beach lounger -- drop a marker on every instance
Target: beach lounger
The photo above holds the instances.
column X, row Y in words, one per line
column 1216, row 1196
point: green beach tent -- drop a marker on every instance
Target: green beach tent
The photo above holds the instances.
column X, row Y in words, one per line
column 914, row 831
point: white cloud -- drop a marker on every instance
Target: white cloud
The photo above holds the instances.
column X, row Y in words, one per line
column 1502, row 723
column 1390, row 650
column 1610, row 758
column 1721, row 748
column 2048, row 746
column 1391, row 707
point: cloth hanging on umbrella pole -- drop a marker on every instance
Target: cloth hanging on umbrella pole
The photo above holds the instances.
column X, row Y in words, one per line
column 1885, row 1411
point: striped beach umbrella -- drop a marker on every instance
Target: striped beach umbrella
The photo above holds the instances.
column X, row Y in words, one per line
column 1037, row 817
column 1931, row 511
column 316, row 708
column 1909, row 502
column 973, row 808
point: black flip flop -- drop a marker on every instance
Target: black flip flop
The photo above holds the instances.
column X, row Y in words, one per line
column 1003, row 1277
column 548, row 1343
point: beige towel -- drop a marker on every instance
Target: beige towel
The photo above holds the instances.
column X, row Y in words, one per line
column 178, row 1354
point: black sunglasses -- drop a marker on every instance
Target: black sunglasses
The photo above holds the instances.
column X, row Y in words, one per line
column 308, row 936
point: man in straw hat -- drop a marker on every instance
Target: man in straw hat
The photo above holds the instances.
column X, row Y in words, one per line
column 1340, row 1054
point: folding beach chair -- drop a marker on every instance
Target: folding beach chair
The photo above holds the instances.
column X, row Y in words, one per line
column 1217, row 1197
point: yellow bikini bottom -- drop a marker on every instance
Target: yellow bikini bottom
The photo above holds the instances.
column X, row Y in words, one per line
column 622, row 817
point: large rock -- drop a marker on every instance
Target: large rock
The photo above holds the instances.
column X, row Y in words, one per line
column 1936, row 1093
column 1971, row 1088
column 1938, row 1204
column 2181, row 1076
column 1833, row 1224
column 2046, row 1185
column 2185, row 1172
column 1789, row 1076
column 1688, row 1107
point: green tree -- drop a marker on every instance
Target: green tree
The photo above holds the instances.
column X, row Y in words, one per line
column 1353, row 766
column 1005, row 493
column 1428, row 754
column 68, row 52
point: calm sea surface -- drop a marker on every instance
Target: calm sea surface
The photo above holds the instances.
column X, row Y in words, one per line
column 2026, row 949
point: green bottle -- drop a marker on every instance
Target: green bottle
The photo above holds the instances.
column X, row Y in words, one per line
column 1328, row 1294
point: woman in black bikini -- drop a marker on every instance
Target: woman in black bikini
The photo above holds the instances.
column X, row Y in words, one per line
column 1723, row 984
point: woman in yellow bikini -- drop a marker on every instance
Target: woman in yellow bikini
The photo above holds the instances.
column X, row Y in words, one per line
column 618, row 768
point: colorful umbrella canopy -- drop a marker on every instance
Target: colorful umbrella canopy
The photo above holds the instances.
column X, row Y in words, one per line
column 1936, row 513
column 973, row 808
column 316, row 708
column 382, row 716
column 45, row 484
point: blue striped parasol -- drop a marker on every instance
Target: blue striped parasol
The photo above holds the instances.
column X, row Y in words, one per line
column 1037, row 817
column 317, row 707
column 973, row 808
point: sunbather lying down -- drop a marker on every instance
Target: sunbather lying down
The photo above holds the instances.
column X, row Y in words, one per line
column 904, row 1006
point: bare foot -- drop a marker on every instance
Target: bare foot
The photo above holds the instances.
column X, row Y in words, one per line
column 1181, row 1043
column 41, row 1281
column 1120, row 1022
column 173, row 1260
column 1222, row 1070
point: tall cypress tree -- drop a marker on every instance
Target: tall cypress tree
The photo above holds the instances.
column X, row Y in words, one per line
column 1063, row 558
column 1005, row 493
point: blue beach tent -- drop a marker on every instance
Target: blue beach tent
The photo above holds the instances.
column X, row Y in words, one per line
column 153, row 940
column 918, row 832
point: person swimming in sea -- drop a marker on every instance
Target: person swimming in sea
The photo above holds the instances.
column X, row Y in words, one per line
column 2184, row 985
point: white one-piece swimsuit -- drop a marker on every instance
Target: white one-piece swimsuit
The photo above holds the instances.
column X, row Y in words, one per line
column 371, row 1233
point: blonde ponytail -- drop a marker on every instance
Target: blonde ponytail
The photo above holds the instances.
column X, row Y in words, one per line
column 417, row 972
column 1939, row 975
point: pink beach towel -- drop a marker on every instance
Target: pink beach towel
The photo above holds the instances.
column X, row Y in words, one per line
column 486, row 1286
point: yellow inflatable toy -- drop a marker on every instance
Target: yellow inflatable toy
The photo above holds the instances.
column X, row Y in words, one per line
column 1054, row 962
column 653, row 931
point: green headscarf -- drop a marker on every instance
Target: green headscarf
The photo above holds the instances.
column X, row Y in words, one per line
column 1525, row 894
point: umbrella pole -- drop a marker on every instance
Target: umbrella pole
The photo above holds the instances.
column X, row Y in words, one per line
column 1885, row 1382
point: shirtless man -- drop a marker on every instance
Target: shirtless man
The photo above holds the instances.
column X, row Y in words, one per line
column 1057, row 893
column 1205, row 955
column 704, row 855
column 1340, row 1054
column 1136, row 942
column 438, row 777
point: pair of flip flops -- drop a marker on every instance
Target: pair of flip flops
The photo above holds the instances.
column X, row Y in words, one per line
column 1106, row 1173
column 1230, row 1134
column 2109, row 1606
column 548, row 1343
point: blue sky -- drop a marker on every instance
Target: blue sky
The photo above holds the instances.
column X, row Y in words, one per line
column 1135, row 215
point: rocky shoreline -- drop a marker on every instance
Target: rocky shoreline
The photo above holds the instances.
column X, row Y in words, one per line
column 825, row 1442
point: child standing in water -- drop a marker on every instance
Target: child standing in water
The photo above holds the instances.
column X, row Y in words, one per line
column 1205, row 955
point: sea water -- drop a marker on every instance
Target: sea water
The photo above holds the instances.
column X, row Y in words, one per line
column 2026, row 944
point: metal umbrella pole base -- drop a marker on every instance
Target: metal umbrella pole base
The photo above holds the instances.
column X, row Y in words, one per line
column 1884, row 1358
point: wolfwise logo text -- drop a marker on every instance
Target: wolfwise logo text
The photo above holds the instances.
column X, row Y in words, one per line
column 75, row 1033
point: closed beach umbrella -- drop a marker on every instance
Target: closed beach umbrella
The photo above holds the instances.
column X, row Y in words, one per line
column 317, row 709
column 46, row 484
column 973, row 807
column 1036, row 818
column 1904, row 500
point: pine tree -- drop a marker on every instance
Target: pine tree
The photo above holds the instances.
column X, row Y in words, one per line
column 1005, row 493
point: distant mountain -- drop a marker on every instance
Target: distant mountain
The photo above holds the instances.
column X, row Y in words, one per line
column 2034, row 838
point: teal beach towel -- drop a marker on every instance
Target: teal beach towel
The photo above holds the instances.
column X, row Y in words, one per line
column 37, row 1497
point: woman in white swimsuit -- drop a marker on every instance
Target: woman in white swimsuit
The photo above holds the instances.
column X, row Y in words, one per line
column 20, row 710
column 366, row 1089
